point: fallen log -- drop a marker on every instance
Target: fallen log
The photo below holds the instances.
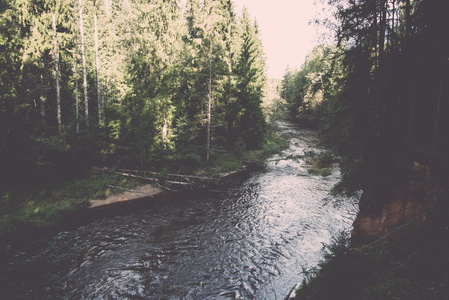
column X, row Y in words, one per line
column 173, row 180
column 178, row 183
column 124, row 174
column 173, row 175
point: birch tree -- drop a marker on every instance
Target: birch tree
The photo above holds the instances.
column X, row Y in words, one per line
column 97, row 70
column 83, row 57
column 77, row 125
column 58, row 93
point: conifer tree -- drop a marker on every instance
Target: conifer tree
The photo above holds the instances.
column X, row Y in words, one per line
column 251, row 82
column 211, row 29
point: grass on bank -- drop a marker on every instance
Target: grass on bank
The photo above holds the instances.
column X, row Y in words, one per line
column 223, row 163
column 46, row 206
column 413, row 264
column 320, row 163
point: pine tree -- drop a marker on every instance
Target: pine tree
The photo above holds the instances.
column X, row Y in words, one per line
column 211, row 27
column 251, row 82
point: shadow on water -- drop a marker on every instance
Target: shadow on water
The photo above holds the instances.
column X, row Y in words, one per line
column 248, row 242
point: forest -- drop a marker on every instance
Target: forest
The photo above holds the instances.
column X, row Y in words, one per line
column 146, row 85
column 160, row 86
column 379, row 93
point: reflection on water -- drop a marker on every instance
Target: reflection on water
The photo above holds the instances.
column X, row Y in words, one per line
column 250, row 242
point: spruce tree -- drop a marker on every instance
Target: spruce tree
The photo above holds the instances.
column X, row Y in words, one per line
column 251, row 81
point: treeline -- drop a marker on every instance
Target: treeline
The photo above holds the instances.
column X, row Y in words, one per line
column 141, row 84
column 380, row 95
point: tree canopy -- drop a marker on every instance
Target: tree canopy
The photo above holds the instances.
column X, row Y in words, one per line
column 145, row 84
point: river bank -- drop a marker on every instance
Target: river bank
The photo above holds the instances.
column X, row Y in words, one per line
column 399, row 251
column 31, row 208
column 410, row 264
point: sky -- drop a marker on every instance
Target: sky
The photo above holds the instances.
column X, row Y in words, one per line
column 286, row 34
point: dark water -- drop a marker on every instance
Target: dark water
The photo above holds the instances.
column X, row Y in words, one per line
column 250, row 242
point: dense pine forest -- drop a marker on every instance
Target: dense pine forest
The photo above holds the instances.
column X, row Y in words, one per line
column 137, row 84
column 379, row 94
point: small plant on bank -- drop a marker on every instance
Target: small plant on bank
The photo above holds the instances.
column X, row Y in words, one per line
column 321, row 163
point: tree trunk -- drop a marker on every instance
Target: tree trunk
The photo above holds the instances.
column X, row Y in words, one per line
column 83, row 55
column 209, row 104
column 42, row 108
column 97, row 68
column 382, row 28
column 435, row 133
column 408, row 24
column 58, row 94
column 412, row 113
column 164, row 132
column 76, row 79
column 42, row 99
column 103, row 114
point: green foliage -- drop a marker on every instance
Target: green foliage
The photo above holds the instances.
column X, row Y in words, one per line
column 46, row 206
column 305, row 91
column 250, row 85
column 320, row 163
column 156, row 71
column 324, row 172
column 377, row 95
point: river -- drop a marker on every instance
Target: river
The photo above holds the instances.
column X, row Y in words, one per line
column 251, row 241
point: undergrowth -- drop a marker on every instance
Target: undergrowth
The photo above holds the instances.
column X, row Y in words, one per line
column 47, row 205
column 320, row 163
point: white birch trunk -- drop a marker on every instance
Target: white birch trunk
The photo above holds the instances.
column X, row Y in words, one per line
column 58, row 94
column 209, row 105
column 164, row 132
column 76, row 69
column 97, row 68
column 83, row 55
column 77, row 113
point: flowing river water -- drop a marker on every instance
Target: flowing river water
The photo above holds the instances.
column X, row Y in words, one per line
column 248, row 242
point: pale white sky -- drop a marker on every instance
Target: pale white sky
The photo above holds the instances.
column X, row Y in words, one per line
column 287, row 36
